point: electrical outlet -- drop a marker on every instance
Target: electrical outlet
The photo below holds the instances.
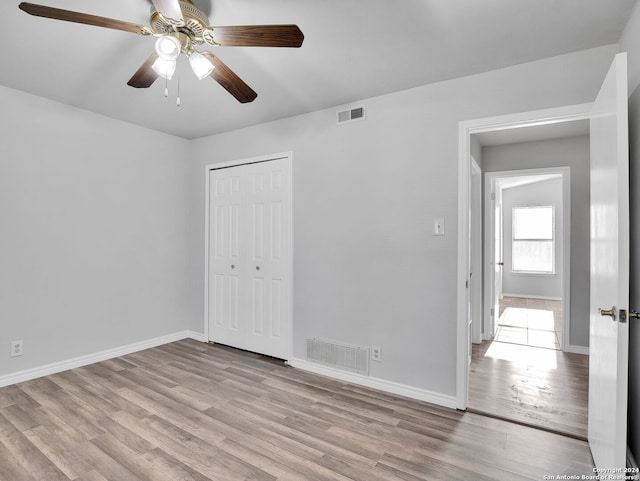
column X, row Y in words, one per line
column 16, row 348
column 376, row 353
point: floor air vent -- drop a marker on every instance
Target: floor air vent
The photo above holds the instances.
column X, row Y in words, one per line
column 351, row 115
column 339, row 356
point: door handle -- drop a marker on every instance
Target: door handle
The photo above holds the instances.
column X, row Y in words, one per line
column 623, row 314
column 609, row 312
column 500, row 263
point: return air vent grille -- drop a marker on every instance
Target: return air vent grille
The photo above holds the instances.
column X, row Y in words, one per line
column 351, row 115
column 339, row 356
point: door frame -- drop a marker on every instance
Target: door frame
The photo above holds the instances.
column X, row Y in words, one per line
column 489, row 251
column 465, row 130
column 489, row 229
column 475, row 263
column 288, row 156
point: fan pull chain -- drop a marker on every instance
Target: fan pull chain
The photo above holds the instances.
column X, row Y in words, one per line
column 166, row 87
column 178, row 98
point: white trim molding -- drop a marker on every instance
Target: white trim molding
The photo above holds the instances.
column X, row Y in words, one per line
column 376, row 383
column 577, row 349
column 56, row 367
column 196, row 336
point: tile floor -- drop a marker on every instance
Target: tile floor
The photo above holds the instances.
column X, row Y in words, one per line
column 530, row 322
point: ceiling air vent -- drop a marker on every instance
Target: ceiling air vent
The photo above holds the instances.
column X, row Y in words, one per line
column 351, row 115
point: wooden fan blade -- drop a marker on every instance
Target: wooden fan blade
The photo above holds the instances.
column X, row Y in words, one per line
column 77, row 17
column 170, row 11
column 255, row 36
column 145, row 76
column 230, row 81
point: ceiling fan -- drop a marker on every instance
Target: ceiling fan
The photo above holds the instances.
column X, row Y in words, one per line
column 180, row 27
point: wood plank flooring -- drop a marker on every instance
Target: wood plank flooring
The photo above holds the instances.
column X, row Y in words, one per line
column 537, row 386
column 189, row 411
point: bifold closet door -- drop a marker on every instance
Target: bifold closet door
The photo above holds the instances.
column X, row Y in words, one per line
column 249, row 257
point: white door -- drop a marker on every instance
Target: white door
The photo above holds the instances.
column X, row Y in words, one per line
column 249, row 257
column 609, row 335
column 475, row 253
column 497, row 259
column 492, row 256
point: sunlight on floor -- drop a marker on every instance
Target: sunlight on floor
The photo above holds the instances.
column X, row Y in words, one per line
column 533, row 318
column 533, row 327
column 522, row 356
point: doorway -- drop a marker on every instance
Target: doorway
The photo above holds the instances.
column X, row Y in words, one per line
column 527, row 225
column 609, row 255
column 522, row 368
column 519, row 370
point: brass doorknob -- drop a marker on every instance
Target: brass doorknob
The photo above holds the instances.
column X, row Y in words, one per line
column 608, row 312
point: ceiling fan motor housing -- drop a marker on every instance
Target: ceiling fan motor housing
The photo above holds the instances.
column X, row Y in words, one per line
column 195, row 22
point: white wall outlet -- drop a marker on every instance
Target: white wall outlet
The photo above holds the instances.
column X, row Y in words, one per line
column 16, row 348
column 376, row 353
column 438, row 226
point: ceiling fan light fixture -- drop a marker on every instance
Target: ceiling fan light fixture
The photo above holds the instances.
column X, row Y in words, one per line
column 168, row 47
column 164, row 68
column 170, row 11
column 200, row 65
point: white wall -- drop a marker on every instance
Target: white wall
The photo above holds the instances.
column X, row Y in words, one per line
column 367, row 269
column 547, row 286
column 94, row 240
column 572, row 152
column 630, row 43
column 103, row 222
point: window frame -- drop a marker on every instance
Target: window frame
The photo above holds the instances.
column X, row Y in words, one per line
column 546, row 240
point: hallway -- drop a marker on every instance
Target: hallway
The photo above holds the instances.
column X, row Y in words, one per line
column 513, row 377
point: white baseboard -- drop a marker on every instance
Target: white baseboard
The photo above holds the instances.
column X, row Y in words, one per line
column 529, row 296
column 65, row 365
column 578, row 349
column 196, row 336
column 375, row 383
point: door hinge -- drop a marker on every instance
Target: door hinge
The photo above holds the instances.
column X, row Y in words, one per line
column 493, row 196
column 492, row 312
column 466, row 284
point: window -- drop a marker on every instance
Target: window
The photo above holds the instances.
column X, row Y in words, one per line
column 533, row 244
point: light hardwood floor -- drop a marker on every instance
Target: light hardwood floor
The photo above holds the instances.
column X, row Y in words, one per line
column 538, row 386
column 191, row 411
column 523, row 376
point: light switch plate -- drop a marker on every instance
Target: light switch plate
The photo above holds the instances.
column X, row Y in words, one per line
column 438, row 226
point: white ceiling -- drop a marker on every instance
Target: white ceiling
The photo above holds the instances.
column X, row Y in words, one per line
column 556, row 130
column 353, row 49
column 520, row 180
